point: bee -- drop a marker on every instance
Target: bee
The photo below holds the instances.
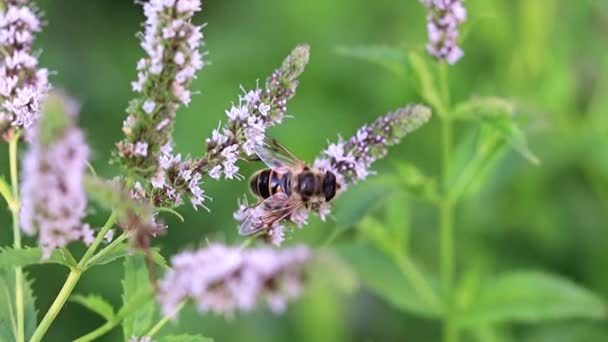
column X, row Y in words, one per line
column 286, row 186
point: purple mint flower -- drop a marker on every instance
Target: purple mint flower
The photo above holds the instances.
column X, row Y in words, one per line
column 22, row 85
column 176, row 180
column 171, row 43
column 442, row 24
column 248, row 120
column 350, row 161
column 53, row 196
column 223, row 279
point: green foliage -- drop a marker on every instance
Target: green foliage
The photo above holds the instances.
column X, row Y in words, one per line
column 425, row 83
column 135, row 282
column 184, row 338
column 11, row 257
column 5, row 191
column 384, row 277
column 415, row 182
column 476, row 157
column 531, row 296
column 123, row 250
column 500, row 114
column 331, row 271
column 397, row 219
column 96, row 304
column 8, row 319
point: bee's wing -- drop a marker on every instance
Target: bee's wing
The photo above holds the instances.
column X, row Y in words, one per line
column 275, row 155
column 269, row 211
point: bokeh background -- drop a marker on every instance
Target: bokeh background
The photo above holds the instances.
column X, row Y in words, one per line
column 550, row 55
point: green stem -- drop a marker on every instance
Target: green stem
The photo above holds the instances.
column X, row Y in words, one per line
column 445, row 85
column 127, row 309
column 12, row 151
column 446, row 214
column 161, row 323
column 102, row 233
column 106, row 250
column 70, row 283
column 61, row 298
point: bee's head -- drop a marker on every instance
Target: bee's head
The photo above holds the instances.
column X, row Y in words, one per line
column 330, row 186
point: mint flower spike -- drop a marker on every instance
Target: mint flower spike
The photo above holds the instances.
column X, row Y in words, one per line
column 224, row 279
column 22, row 84
column 350, row 161
column 53, row 196
column 177, row 178
column 442, row 24
column 256, row 111
column 171, row 43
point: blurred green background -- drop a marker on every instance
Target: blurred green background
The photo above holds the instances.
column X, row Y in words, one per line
column 550, row 55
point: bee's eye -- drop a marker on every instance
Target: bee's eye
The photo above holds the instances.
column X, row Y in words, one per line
column 330, row 185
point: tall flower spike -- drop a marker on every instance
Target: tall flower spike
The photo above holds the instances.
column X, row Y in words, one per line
column 256, row 111
column 351, row 160
column 442, row 24
column 172, row 44
column 53, row 197
column 22, row 85
column 246, row 125
column 223, row 279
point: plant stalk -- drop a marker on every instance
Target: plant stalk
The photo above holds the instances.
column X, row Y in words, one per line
column 19, row 305
column 141, row 298
column 161, row 323
column 70, row 283
column 61, row 298
column 446, row 213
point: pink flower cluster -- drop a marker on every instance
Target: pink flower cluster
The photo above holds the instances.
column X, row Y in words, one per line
column 177, row 178
column 171, row 43
column 442, row 24
column 53, row 196
column 351, row 160
column 223, row 279
column 256, row 111
column 22, row 85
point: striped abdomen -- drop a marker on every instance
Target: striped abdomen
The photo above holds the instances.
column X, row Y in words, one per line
column 268, row 182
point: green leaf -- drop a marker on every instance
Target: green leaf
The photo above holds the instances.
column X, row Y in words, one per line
column 184, row 338
column 11, row 257
column 499, row 114
column 135, row 281
column 531, row 296
column 8, row 319
column 330, row 270
column 122, row 250
column 397, row 218
column 476, row 158
column 393, row 59
column 417, row 183
column 96, row 304
column 426, row 85
column 359, row 200
column 386, row 279
column 5, row 191
column 373, row 230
